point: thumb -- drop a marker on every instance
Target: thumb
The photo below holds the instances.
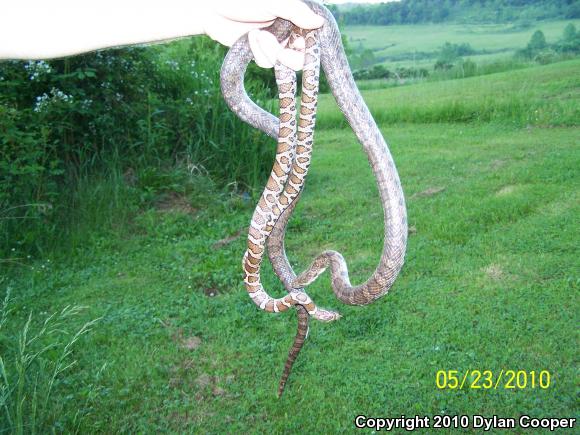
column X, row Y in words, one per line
column 267, row 51
column 265, row 47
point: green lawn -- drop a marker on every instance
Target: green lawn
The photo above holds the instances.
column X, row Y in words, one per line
column 416, row 45
column 490, row 282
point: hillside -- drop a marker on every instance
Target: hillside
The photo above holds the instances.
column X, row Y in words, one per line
column 543, row 95
column 457, row 11
column 418, row 45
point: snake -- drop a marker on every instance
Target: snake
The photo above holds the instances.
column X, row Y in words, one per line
column 352, row 105
column 293, row 156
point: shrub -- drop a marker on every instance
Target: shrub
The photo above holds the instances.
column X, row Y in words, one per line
column 104, row 113
column 537, row 41
column 570, row 42
column 450, row 54
column 543, row 53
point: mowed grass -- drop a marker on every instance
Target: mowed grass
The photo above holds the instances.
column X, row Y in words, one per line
column 490, row 282
column 417, row 45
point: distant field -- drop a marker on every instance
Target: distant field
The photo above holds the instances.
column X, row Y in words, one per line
column 543, row 95
column 416, row 45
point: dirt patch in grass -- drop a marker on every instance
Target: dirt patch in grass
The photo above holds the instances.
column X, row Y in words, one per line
column 203, row 380
column 496, row 164
column 428, row 192
column 227, row 240
column 500, row 272
column 506, row 190
column 494, row 271
column 178, row 336
column 191, row 343
column 174, row 202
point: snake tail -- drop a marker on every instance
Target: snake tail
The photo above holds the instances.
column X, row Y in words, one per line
column 299, row 339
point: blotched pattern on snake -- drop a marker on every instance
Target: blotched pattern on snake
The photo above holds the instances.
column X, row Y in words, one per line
column 287, row 178
column 272, row 232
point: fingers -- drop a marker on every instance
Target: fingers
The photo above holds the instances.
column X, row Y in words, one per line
column 230, row 19
column 267, row 51
column 257, row 11
column 265, row 48
column 297, row 12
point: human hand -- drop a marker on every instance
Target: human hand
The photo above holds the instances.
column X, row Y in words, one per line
column 228, row 20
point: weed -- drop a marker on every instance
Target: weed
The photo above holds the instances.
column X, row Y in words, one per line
column 39, row 362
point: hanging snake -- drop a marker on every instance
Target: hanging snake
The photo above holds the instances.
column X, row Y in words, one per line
column 286, row 181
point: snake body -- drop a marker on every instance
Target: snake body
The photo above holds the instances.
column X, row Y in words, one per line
column 350, row 102
column 286, row 179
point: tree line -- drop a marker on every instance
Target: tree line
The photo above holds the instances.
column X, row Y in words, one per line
column 437, row 11
column 451, row 61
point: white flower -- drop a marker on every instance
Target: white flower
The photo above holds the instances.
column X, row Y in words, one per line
column 86, row 104
column 174, row 65
column 37, row 68
column 44, row 100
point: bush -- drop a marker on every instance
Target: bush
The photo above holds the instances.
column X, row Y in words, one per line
column 380, row 72
column 104, row 113
column 537, row 41
column 545, row 57
column 570, row 42
column 451, row 54
column 543, row 53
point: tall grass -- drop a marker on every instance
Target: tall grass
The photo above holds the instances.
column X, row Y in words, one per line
column 32, row 364
column 211, row 136
column 82, row 136
column 542, row 96
column 468, row 68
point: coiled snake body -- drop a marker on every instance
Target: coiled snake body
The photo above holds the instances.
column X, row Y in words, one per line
column 290, row 168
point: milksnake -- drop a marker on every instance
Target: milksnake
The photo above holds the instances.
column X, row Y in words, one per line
column 285, row 183
column 286, row 180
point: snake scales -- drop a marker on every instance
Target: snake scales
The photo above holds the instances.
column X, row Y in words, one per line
column 286, row 181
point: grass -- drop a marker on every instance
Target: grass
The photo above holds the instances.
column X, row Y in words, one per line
column 28, row 379
column 417, row 45
column 544, row 96
column 490, row 280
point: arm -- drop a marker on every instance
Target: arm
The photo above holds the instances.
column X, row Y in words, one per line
column 39, row 29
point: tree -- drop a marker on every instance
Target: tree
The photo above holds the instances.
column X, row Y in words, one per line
column 569, row 33
column 538, row 41
column 440, row 14
column 570, row 42
column 573, row 11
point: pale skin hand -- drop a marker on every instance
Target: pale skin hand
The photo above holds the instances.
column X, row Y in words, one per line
column 43, row 29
